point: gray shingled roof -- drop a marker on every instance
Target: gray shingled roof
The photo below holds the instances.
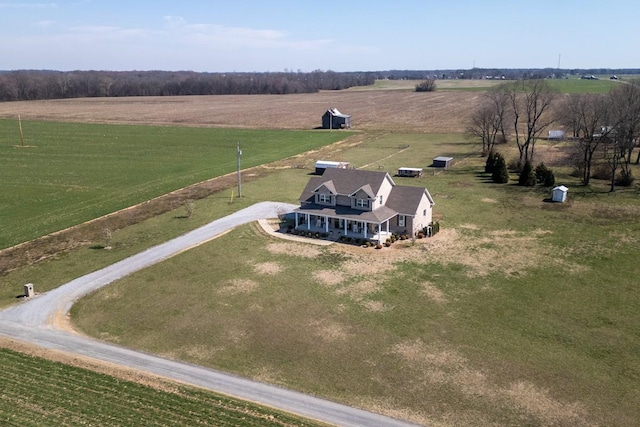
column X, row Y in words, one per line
column 405, row 200
column 402, row 199
column 345, row 181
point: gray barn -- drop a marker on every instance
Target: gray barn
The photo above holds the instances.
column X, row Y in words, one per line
column 334, row 119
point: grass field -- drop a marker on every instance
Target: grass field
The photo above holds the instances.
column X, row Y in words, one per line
column 69, row 173
column 39, row 392
column 519, row 312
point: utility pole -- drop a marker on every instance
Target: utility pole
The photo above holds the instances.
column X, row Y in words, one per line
column 239, row 153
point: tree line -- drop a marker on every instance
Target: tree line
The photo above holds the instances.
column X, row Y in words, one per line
column 24, row 85
column 604, row 129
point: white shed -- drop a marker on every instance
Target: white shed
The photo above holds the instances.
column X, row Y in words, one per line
column 556, row 135
column 560, row 193
column 321, row 165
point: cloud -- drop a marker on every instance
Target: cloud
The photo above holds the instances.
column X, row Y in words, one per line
column 223, row 37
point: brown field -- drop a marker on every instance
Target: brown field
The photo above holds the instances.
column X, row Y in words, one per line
column 388, row 110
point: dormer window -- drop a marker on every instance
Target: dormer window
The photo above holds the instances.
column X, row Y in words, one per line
column 324, row 198
column 362, row 203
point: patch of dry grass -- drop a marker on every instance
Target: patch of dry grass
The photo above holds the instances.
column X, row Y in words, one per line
column 437, row 364
column 239, row 286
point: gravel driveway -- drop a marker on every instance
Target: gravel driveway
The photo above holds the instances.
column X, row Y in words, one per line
column 34, row 321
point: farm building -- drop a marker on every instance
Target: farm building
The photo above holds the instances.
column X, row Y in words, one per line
column 556, row 135
column 334, row 119
column 322, row 165
column 560, row 194
column 410, row 172
column 442, row 162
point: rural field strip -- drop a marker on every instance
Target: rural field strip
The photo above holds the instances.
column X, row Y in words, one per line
column 34, row 321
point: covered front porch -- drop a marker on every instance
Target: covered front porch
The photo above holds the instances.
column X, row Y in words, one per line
column 334, row 226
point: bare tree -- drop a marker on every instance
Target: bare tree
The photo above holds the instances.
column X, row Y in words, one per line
column 489, row 121
column 530, row 103
column 625, row 105
column 588, row 115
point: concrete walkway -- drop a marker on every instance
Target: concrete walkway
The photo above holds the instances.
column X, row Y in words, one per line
column 35, row 321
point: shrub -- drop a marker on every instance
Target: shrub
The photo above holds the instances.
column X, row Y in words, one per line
column 378, row 246
column 625, row 179
column 500, row 173
column 427, row 85
column 527, row 176
column 544, row 175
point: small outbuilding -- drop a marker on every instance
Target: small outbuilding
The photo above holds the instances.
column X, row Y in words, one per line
column 556, row 135
column 560, row 194
column 442, row 162
column 412, row 172
column 334, row 119
column 322, row 165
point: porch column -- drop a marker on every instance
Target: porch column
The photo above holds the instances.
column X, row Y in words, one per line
column 326, row 224
column 296, row 219
column 364, row 229
column 308, row 222
column 346, row 227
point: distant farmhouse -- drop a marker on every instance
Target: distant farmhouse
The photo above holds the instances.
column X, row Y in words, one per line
column 362, row 204
column 334, row 119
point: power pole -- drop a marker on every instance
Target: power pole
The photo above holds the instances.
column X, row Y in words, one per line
column 239, row 153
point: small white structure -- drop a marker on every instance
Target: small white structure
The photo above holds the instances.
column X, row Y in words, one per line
column 28, row 290
column 321, row 165
column 410, row 172
column 560, row 194
column 556, row 135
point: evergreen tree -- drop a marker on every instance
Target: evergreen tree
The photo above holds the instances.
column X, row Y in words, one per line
column 500, row 173
column 490, row 163
column 527, row 176
column 549, row 179
column 545, row 176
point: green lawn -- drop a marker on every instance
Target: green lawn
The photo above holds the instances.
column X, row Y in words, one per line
column 68, row 173
column 39, row 392
column 520, row 312
column 577, row 85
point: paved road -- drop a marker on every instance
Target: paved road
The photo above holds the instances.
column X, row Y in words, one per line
column 34, row 321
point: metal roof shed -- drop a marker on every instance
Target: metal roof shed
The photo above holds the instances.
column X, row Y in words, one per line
column 442, row 162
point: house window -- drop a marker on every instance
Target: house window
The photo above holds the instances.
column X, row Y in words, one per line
column 362, row 203
column 401, row 220
column 324, row 198
column 424, row 212
column 381, row 199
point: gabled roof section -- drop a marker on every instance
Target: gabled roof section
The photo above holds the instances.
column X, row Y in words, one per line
column 406, row 200
column 326, row 187
column 346, row 182
column 366, row 189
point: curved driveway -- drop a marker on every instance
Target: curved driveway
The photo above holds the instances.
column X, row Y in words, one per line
column 34, row 321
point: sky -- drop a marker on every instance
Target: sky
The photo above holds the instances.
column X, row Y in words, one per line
column 301, row 35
